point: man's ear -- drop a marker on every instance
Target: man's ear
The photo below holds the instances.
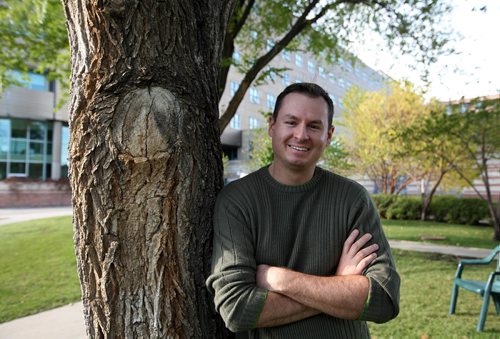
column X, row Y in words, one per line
column 271, row 125
column 330, row 134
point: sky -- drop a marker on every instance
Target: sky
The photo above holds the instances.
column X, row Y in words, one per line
column 475, row 69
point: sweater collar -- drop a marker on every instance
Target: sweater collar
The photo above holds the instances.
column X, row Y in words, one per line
column 318, row 173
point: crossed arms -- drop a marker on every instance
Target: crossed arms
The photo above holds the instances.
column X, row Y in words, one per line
column 295, row 296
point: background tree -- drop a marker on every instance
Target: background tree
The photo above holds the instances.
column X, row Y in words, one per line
column 33, row 37
column 373, row 120
column 474, row 127
column 261, row 30
column 434, row 154
column 145, row 162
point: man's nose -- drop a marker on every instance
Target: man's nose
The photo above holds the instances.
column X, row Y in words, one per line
column 301, row 132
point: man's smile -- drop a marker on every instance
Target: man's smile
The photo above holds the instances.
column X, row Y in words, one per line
column 299, row 148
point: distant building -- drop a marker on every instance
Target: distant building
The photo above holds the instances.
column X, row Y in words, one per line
column 34, row 135
column 302, row 67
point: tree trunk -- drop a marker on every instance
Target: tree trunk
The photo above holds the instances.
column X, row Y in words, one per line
column 145, row 162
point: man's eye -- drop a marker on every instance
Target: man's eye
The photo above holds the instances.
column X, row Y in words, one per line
column 290, row 122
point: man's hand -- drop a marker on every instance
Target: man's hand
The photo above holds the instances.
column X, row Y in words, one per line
column 354, row 257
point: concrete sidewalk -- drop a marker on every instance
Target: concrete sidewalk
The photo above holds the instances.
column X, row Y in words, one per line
column 67, row 322
column 12, row 215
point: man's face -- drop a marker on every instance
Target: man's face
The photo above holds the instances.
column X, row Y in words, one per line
column 300, row 133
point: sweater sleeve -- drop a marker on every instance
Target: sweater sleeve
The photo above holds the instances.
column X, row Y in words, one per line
column 232, row 281
column 383, row 298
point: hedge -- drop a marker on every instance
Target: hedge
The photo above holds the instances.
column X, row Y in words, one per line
column 443, row 208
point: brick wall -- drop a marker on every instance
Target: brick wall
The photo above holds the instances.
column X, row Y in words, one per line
column 25, row 193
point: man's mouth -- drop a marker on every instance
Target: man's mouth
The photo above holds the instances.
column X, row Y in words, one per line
column 298, row 148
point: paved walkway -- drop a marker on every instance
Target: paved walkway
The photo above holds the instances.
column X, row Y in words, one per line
column 67, row 322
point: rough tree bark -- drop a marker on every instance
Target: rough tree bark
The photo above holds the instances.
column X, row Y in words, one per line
column 145, row 162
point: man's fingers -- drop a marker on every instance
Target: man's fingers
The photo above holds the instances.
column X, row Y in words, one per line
column 356, row 246
column 350, row 240
column 366, row 261
column 366, row 251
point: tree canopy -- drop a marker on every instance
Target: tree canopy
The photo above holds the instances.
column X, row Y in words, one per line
column 260, row 30
column 373, row 119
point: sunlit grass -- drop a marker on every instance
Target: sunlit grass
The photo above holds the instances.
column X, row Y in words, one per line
column 455, row 235
column 426, row 284
column 37, row 267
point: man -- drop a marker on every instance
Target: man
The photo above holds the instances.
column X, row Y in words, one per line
column 279, row 267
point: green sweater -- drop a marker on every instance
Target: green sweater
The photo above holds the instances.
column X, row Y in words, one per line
column 260, row 221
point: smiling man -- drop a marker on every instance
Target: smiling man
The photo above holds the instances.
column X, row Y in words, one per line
column 299, row 252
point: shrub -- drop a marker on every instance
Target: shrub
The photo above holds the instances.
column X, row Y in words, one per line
column 383, row 201
column 456, row 210
column 405, row 208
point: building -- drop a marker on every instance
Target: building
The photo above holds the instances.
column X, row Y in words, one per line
column 34, row 134
column 302, row 67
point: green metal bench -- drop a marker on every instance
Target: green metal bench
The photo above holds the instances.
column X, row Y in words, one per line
column 485, row 289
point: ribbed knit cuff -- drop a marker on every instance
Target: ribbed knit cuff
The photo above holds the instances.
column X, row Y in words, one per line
column 377, row 305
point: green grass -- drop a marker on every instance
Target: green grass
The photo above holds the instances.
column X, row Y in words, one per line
column 456, row 235
column 426, row 283
column 38, row 272
column 37, row 267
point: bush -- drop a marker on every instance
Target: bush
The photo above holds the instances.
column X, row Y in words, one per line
column 405, row 208
column 456, row 210
column 443, row 208
column 383, row 201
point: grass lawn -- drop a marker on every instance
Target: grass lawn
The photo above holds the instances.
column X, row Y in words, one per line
column 456, row 235
column 426, row 283
column 38, row 272
column 37, row 267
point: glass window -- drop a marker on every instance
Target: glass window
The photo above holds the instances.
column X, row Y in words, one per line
column 36, row 151
column 37, row 130
column 310, row 66
column 234, row 87
column 331, row 77
column 64, row 145
column 35, row 171
column 18, row 149
column 17, row 169
column 270, row 44
column 235, row 122
column 298, row 60
column 253, row 123
column 286, row 55
column 321, row 72
column 3, row 170
column 271, row 75
column 4, row 138
column 270, row 101
column 254, row 95
column 19, row 128
column 286, row 79
column 236, row 57
column 341, row 82
column 31, row 80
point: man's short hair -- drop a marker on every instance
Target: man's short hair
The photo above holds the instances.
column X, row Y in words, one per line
column 309, row 89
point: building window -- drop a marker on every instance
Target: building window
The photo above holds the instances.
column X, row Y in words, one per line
column 271, row 75
column 253, row 123
column 235, row 122
column 269, row 45
column 321, row 72
column 236, row 58
column 310, row 66
column 64, row 151
column 298, row 60
column 31, row 80
column 298, row 81
column 254, row 95
column 286, row 79
column 270, row 101
column 331, row 77
column 234, row 87
column 285, row 55
column 341, row 82
column 25, row 148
